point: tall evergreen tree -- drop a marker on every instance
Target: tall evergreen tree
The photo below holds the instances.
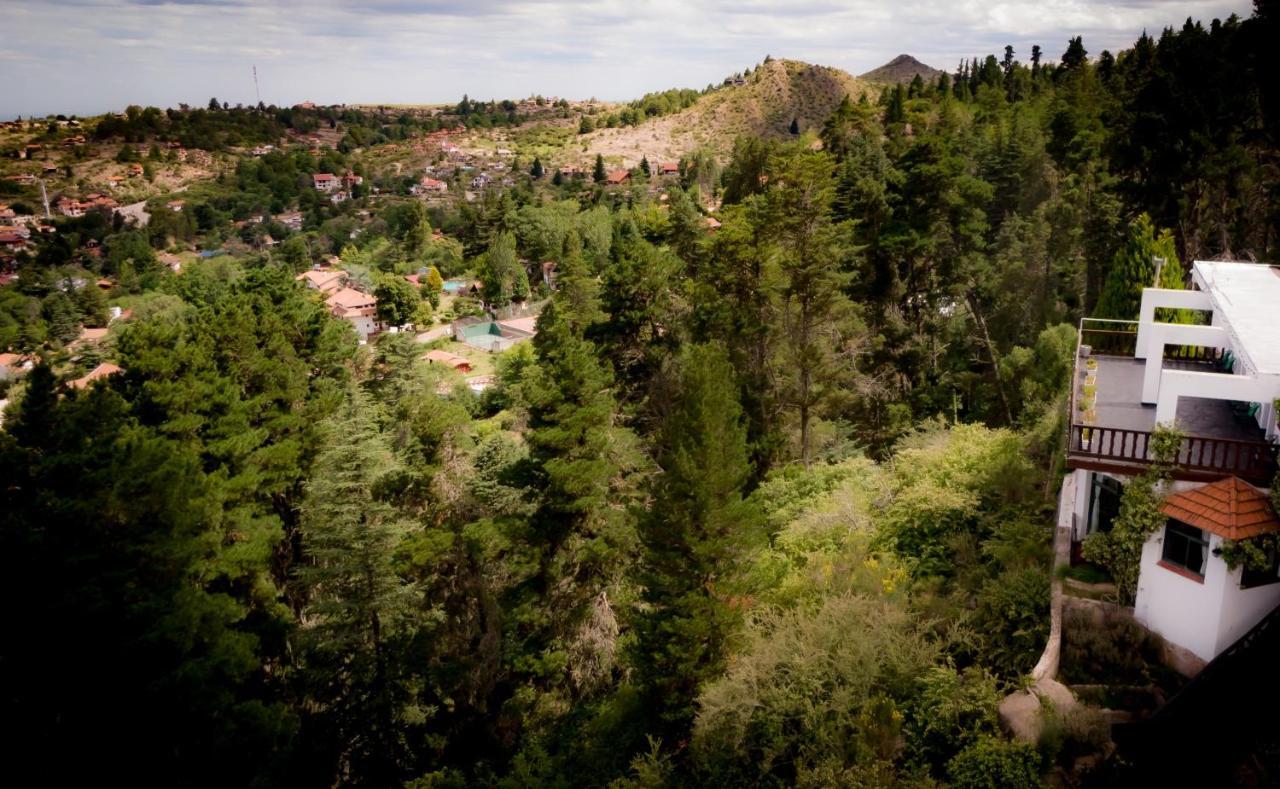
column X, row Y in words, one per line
column 1134, row 268
column 697, row 536
column 360, row 614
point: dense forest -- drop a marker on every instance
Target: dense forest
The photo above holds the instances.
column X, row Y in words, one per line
column 768, row 505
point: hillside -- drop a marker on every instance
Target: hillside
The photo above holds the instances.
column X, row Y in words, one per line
column 771, row 97
column 903, row 68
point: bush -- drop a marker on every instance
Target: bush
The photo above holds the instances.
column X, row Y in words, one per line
column 951, row 713
column 1114, row 650
column 993, row 763
column 1013, row 617
column 1066, row 736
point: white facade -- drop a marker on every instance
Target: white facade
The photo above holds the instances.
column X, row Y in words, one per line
column 1243, row 299
column 1203, row 616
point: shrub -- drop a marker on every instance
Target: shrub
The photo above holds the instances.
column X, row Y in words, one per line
column 1114, row 650
column 993, row 763
column 951, row 713
column 1066, row 736
column 1013, row 618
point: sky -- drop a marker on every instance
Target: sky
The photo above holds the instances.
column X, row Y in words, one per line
column 91, row 56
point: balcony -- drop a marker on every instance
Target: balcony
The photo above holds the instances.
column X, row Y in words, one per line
column 1131, row 395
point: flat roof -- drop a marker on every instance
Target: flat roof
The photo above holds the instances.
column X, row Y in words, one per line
column 1248, row 296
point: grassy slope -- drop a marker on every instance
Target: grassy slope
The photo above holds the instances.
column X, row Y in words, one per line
column 775, row 94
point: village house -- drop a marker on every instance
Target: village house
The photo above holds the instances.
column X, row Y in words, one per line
column 291, row 220
column 70, row 207
column 359, row 309
column 1217, row 383
column 324, row 281
column 101, row 371
column 616, row 177
column 668, row 168
column 325, row 182
column 14, row 365
column 428, row 185
column 176, row 206
column 460, row 363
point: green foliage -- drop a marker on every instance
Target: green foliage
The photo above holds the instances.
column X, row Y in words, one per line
column 697, row 534
column 1134, row 268
column 994, row 763
column 1120, row 550
column 814, row 691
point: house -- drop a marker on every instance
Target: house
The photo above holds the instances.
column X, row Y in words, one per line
column 69, row 207
column 668, row 168
column 291, row 220
column 14, row 365
column 1216, row 382
column 430, row 185
column 24, row 179
column 460, row 363
column 135, row 170
column 176, row 206
column 171, row 261
column 89, row 336
column 330, row 281
column 712, row 223
column 101, row 371
column 615, row 177
column 325, row 182
column 352, row 180
column 360, row 309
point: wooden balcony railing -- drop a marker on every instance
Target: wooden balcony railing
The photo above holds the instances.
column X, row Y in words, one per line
column 1254, row 461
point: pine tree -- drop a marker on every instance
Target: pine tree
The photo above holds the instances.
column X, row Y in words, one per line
column 1134, row 268
column 795, row 126
column 644, row 166
column 598, row 174
column 696, row 537
column 361, row 613
column 536, row 171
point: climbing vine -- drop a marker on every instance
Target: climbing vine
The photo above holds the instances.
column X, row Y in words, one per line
column 1120, row 550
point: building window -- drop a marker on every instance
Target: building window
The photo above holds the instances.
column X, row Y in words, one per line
column 1185, row 547
column 1268, row 575
column 1104, row 503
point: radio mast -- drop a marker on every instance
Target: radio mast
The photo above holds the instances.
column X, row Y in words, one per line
column 256, row 92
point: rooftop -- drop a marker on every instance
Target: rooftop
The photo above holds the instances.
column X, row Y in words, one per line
column 1247, row 295
column 1229, row 508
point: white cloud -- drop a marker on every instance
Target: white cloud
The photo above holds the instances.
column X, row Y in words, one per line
column 93, row 55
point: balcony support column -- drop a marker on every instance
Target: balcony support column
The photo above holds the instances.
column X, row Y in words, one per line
column 1216, row 386
column 1162, row 334
column 1163, row 297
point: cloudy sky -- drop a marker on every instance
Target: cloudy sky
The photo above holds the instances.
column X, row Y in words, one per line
column 89, row 56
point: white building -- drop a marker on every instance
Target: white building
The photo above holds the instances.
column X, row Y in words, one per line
column 1216, row 381
column 326, row 182
column 360, row 309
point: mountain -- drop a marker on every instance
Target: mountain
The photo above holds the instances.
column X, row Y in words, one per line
column 903, row 68
column 764, row 104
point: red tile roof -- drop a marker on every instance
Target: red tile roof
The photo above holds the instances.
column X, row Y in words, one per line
column 101, row 371
column 1229, row 508
column 617, row 176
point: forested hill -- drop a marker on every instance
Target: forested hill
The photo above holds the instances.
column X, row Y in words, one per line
column 764, row 502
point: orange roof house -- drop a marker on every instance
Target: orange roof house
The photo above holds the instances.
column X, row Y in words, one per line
column 617, row 176
column 350, row 303
column 459, row 363
column 324, row 281
column 1230, row 508
column 101, row 371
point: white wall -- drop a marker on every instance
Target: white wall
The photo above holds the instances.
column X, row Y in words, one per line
column 1183, row 611
column 1244, row 608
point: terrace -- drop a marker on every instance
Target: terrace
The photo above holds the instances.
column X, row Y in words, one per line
column 1214, row 385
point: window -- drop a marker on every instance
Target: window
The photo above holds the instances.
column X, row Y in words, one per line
column 1104, row 503
column 1185, row 547
column 1269, row 575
